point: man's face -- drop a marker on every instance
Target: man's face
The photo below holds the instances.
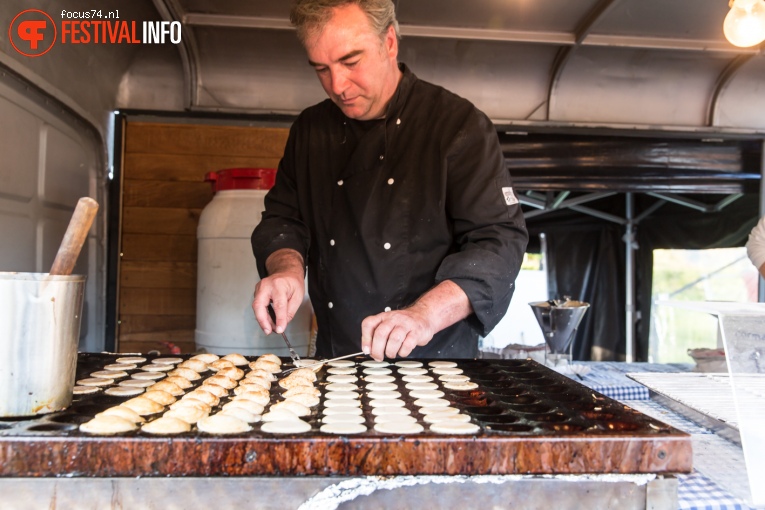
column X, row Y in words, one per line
column 357, row 69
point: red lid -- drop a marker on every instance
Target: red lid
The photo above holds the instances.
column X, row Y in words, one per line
column 241, row 178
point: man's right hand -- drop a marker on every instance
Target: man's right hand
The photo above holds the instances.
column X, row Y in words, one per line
column 284, row 288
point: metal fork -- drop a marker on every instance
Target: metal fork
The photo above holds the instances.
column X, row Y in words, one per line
column 293, row 354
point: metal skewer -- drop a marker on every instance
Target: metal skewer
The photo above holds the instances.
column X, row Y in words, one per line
column 325, row 361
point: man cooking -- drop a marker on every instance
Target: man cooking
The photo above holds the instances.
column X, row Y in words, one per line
column 394, row 194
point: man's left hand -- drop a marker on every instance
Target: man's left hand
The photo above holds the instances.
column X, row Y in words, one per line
column 395, row 334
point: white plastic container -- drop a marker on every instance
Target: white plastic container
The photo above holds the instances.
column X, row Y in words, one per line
column 227, row 274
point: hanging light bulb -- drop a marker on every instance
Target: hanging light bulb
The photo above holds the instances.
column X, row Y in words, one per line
column 745, row 23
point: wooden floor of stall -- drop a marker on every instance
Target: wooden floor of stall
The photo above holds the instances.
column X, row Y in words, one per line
column 163, row 194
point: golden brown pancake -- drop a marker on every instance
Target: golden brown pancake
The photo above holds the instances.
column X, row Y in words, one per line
column 249, row 386
column 206, row 357
column 268, row 376
column 236, row 358
column 291, row 405
column 268, row 366
column 289, row 383
column 220, row 380
column 123, row 412
column 166, row 425
column 231, row 372
column 191, row 402
column 144, row 406
column 223, row 424
column 305, row 399
column 186, row 373
column 107, row 424
column 189, row 414
column 273, row 358
column 254, row 397
column 241, row 413
column 205, row 396
column 305, row 373
column 197, row 365
column 220, row 363
column 167, row 386
column 160, row 397
column 302, row 390
column 218, row 391
column 179, row 381
column 251, row 406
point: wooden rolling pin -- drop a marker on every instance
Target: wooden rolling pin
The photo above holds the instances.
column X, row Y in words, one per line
column 74, row 238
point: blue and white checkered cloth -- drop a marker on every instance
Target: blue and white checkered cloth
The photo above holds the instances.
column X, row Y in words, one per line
column 697, row 492
column 610, row 379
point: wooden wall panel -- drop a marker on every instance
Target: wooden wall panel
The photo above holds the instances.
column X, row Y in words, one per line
column 188, row 167
column 170, row 194
column 160, row 220
column 208, row 140
column 163, row 194
column 158, row 302
column 151, row 247
column 159, row 275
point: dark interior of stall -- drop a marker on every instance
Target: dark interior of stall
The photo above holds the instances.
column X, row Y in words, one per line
column 680, row 193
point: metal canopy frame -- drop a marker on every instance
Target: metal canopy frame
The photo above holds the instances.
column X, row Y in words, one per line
column 545, row 203
column 685, row 35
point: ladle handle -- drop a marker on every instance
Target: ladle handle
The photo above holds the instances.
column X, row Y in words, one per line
column 74, row 238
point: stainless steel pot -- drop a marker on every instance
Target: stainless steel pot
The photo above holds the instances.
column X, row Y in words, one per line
column 39, row 333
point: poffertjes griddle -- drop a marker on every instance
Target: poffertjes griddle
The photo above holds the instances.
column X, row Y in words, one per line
column 531, row 420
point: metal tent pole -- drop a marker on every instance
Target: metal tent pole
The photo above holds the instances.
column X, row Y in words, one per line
column 760, row 280
column 629, row 286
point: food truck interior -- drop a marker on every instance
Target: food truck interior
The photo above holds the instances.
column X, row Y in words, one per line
column 628, row 126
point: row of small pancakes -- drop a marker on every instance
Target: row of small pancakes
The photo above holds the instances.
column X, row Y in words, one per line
column 342, row 411
column 250, row 394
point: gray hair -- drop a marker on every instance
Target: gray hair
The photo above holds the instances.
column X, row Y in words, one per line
column 310, row 16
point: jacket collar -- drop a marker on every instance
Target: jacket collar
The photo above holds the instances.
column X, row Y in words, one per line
column 398, row 100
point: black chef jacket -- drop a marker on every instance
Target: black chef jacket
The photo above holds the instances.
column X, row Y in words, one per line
column 383, row 210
